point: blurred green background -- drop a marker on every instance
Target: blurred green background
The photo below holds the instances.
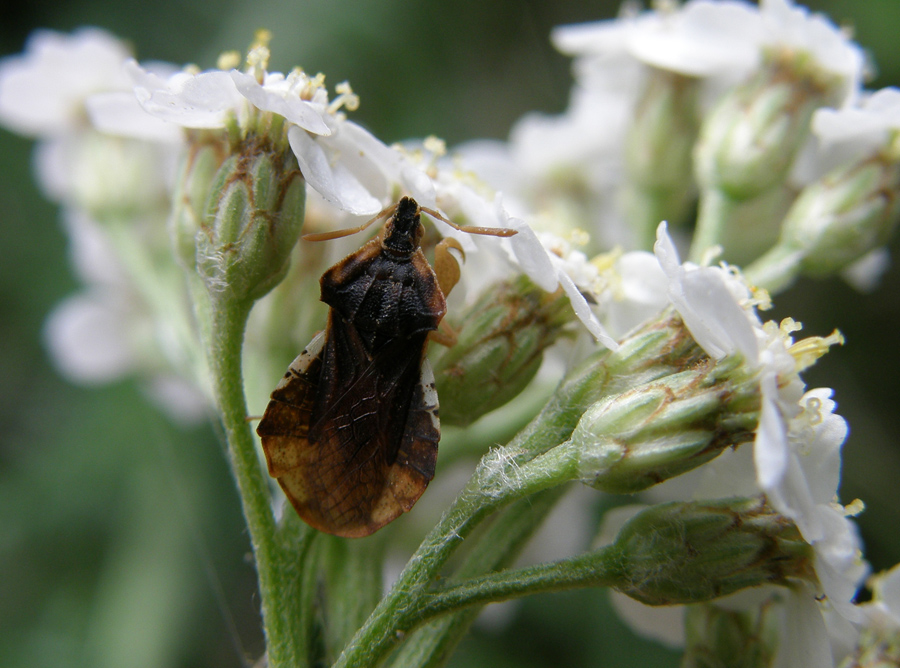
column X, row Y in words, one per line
column 121, row 540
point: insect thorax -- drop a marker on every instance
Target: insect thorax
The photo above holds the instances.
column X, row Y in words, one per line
column 384, row 298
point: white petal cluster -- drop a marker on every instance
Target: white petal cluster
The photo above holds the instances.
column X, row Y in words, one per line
column 707, row 38
column 210, row 99
column 884, row 609
column 789, row 26
column 43, row 90
column 700, row 39
column 796, row 452
column 449, row 187
column 855, row 131
column 105, row 332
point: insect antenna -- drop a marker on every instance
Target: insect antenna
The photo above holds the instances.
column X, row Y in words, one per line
column 470, row 229
column 338, row 234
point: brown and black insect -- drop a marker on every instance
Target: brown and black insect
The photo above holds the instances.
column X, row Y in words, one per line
column 351, row 432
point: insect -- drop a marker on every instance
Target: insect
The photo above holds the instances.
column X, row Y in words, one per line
column 351, row 432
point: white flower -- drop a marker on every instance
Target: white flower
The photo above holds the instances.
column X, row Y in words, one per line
column 884, row 609
column 335, row 155
column 549, row 262
column 796, row 451
column 52, row 90
column 788, row 26
column 709, row 300
column 870, row 122
column 88, row 339
column 43, row 90
column 210, row 99
column 700, row 39
column 854, row 132
column 337, row 165
column 630, row 288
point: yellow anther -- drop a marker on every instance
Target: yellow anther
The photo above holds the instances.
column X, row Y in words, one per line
column 435, row 145
column 807, row 351
column 228, row 60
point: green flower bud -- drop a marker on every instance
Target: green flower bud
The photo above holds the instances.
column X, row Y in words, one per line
column 251, row 221
column 695, row 552
column 196, row 175
column 749, row 140
column 500, row 348
column 846, row 214
column 663, row 428
column 733, row 638
column 658, row 158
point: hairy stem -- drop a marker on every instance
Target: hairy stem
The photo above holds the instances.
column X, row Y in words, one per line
column 434, row 642
column 601, row 568
column 226, row 336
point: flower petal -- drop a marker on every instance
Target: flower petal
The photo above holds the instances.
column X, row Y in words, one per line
column 201, row 100
column 335, row 182
column 305, row 114
column 121, row 115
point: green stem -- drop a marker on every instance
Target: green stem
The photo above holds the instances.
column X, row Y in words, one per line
column 432, row 644
column 644, row 209
column 776, row 270
column 601, row 568
column 716, row 212
column 229, row 319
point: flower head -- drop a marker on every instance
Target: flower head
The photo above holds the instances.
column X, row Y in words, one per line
column 43, row 90
column 796, row 450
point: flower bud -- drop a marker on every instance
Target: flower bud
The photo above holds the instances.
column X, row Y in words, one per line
column 663, row 428
column 658, row 154
column 196, row 175
column 749, row 140
column 694, row 552
column 500, row 347
column 740, row 638
column 252, row 218
column 846, row 214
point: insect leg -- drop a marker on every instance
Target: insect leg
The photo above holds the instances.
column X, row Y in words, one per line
column 444, row 335
column 446, row 266
column 337, row 234
column 471, row 229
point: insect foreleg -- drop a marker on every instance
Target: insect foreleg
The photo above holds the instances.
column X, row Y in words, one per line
column 337, row 234
column 446, row 266
column 444, row 335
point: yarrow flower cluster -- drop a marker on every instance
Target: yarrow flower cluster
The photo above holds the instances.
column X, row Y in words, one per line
column 185, row 191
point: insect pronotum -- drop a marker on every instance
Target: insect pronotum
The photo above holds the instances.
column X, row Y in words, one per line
column 351, row 432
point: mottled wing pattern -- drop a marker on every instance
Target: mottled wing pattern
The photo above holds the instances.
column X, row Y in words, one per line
column 284, row 427
column 352, row 438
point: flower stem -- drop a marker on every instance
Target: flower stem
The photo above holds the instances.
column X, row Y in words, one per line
column 776, row 270
column 601, row 568
column 283, row 641
column 434, row 642
column 716, row 209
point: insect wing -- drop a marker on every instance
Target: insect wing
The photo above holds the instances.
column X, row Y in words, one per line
column 284, row 427
column 366, row 444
